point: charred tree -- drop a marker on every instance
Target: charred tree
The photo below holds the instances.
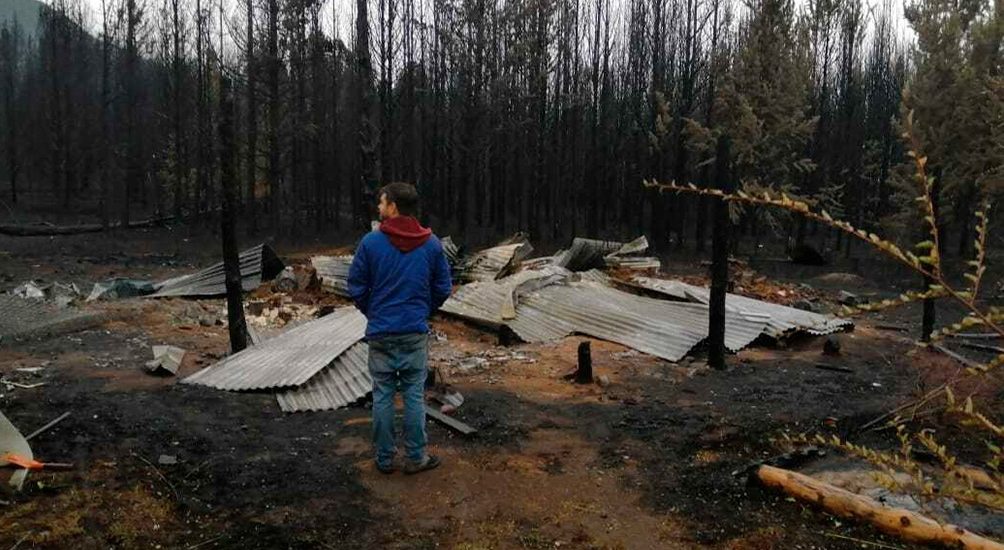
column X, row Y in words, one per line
column 719, row 260
column 231, row 257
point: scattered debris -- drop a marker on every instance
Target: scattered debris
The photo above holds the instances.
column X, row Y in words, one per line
column 835, row 368
column 257, row 264
column 963, row 360
column 449, row 421
column 977, row 336
column 11, row 385
column 48, row 426
column 894, row 328
column 849, row 299
column 982, row 347
column 166, row 359
column 120, row 288
column 286, row 280
column 31, row 318
column 167, row 460
column 29, row 290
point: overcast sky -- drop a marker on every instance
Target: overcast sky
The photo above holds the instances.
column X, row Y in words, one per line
column 344, row 13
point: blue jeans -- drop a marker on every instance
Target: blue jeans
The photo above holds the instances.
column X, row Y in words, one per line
column 398, row 362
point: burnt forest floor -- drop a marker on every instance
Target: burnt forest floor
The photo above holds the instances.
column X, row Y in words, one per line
column 653, row 459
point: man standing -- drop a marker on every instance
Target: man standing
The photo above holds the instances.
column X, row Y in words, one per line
column 398, row 277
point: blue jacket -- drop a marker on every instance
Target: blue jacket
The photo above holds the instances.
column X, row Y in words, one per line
column 398, row 291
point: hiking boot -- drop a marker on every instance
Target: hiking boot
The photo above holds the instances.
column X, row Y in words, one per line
column 430, row 462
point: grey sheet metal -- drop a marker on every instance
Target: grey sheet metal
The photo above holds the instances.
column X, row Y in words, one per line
column 549, row 307
column 343, row 382
column 586, row 254
column 781, row 320
column 665, row 329
column 257, row 264
column 289, row 359
column 334, row 272
column 496, row 262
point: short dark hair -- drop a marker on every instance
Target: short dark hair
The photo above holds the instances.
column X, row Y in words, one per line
column 404, row 195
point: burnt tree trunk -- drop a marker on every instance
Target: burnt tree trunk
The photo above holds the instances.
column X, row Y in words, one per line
column 927, row 324
column 719, row 261
column 231, row 259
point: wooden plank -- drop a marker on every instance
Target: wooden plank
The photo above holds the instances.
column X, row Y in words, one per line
column 449, row 421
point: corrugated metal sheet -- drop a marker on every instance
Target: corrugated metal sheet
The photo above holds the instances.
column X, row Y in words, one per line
column 289, row 359
column 586, row 254
column 343, row 382
column 257, row 264
column 665, row 329
column 556, row 309
column 494, row 263
column 334, row 272
column 781, row 319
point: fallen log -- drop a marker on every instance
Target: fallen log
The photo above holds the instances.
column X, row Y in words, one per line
column 899, row 522
column 55, row 230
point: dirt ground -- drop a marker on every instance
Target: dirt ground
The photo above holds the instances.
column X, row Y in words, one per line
column 654, row 459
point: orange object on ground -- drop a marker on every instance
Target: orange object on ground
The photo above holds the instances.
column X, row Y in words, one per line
column 31, row 464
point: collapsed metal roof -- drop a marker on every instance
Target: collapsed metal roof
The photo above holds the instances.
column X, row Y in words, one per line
column 334, row 272
column 496, row 262
column 586, row 254
column 257, row 264
column 781, row 320
column 289, row 359
column 548, row 306
column 345, row 381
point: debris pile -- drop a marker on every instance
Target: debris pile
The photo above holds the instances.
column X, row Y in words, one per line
column 321, row 363
column 257, row 264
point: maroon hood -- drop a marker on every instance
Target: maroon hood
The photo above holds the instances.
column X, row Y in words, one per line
column 405, row 233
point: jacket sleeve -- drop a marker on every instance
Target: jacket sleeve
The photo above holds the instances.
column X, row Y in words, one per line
column 359, row 279
column 442, row 280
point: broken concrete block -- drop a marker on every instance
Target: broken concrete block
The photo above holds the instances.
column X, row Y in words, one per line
column 166, row 359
